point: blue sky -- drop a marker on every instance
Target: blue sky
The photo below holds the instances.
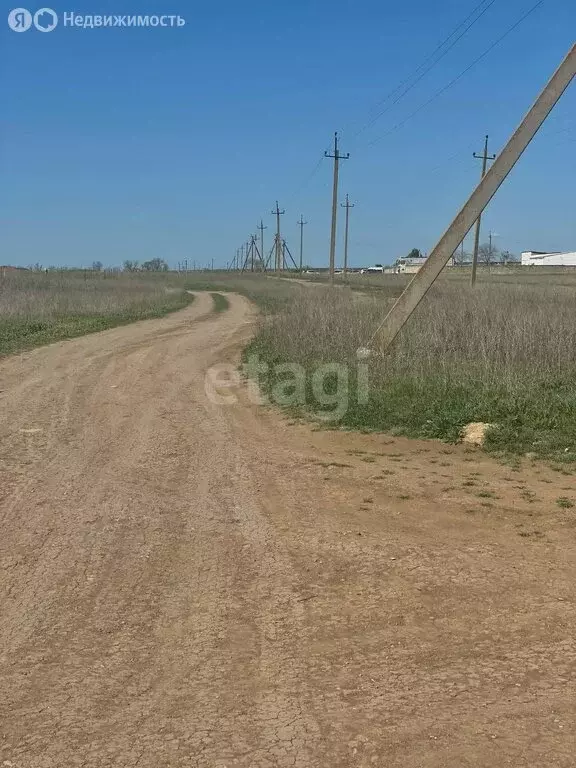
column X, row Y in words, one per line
column 134, row 143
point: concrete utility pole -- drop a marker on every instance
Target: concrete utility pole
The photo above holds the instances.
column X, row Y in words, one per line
column 278, row 243
column 346, row 205
column 301, row 224
column 337, row 157
column 254, row 247
column 484, row 157
column 479, row 199
column 262, row 228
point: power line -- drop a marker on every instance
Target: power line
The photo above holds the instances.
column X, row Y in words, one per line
column 318, row 164
column 460, row 76
column 470, row 16
column 309, row 178
column 416, row 74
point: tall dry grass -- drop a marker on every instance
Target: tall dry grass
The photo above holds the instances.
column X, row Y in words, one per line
column 45, row 295
column 38, row 307
column 503, row 354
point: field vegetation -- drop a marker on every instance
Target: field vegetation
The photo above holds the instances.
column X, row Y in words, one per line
column 38, row 307
column 504, row 354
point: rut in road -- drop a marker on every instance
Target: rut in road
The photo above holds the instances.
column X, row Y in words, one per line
column 187, row 583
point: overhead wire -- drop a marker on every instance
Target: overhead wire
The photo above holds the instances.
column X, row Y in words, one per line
column 475, row 15
column 460, row 76
column 473, row 18
column 420, row 75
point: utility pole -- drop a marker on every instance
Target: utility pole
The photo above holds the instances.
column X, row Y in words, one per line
column 484, row 157
column 301, row 223
column 476, row 203
column 262, row 228
column 278, row 243
column 337, row 157
column 346, row 205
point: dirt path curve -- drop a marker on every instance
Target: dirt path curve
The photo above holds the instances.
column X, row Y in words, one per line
column 191, row 584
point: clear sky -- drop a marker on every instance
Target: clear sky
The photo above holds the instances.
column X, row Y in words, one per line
column 134, row 143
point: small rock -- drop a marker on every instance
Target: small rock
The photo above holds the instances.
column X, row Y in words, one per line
column 475, row 433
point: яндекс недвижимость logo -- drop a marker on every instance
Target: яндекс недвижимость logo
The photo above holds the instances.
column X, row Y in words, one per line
column 21, row 19
column 45, row 20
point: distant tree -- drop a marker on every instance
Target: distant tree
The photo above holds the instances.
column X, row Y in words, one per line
column 508, row 257
column 487, row 254
column 155, row 265
column 97, row 266
column 378, row 265
column 131, row 266
column 460, row 257
column 414, row 254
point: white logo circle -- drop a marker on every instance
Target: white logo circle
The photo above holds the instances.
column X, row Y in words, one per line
column 20, row 20
column 45, row 20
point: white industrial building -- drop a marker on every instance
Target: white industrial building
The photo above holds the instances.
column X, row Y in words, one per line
column 410, row 265
column 531, row 258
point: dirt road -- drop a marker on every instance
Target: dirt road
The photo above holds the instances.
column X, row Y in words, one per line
column 189, row 584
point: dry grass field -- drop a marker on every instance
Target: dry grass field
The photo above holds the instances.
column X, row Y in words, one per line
column 38, row 308
column 504, row 354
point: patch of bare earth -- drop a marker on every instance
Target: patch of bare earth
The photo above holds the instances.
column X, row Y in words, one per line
column 192, row 584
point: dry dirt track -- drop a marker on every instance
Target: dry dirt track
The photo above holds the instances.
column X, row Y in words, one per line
column 187, row 584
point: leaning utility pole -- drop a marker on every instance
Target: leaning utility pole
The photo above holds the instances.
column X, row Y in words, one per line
column 301, row 224
column 346, row 205
column 478, row 200
column 278, row 241
column 484, row 157
column 337, row 157
column 262, row 228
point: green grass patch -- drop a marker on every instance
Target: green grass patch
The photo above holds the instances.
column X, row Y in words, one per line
column 221, row 303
